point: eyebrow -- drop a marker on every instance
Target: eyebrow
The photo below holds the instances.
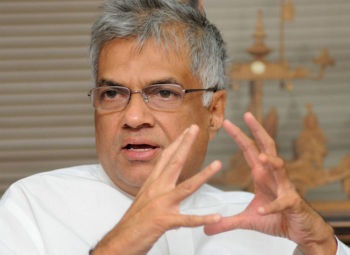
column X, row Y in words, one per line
column 164, row 81
column 106, row 82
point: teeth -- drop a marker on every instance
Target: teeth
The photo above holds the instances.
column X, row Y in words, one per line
column 139, row 149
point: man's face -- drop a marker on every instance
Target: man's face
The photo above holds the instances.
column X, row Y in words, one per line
column 130, row 142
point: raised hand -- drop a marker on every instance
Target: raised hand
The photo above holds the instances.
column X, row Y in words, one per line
column 156, row 207
column 277, row 208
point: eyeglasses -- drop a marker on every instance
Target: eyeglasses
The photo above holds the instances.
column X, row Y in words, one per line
column 163, row 97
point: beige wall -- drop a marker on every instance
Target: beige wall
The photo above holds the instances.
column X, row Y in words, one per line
column 45, row 118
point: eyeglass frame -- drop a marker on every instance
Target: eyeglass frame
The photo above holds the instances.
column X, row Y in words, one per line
column 106, row 83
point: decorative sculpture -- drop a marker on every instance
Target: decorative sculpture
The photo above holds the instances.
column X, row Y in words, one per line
column 306, row 169
column 260, row 69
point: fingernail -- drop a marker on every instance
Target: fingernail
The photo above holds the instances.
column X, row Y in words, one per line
column 217, row 217
column 261, row 210
column 193, row 128
column 215, row 164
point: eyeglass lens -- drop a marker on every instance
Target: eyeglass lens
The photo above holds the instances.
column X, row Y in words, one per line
column 158, row 96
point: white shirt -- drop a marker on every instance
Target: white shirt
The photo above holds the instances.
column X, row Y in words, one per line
column 67, row 211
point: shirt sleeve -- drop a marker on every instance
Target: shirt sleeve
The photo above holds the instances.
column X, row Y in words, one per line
column 342, row 249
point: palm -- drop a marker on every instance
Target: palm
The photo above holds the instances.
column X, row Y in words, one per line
column 251, row 219
column 276, row 209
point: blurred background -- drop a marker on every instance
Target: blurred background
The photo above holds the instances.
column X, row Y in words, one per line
column 46, row 121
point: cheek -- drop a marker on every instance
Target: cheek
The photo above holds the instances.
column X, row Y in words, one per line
column 174, row 124
column 104, row 130
column 201, row 117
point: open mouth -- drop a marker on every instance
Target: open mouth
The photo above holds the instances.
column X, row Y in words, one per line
column 140, row 152
column 139, row 147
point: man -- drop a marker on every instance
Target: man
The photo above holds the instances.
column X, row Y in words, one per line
column 159, row 99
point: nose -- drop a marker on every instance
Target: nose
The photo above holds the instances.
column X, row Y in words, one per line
column 137, row 114
column 143, row 95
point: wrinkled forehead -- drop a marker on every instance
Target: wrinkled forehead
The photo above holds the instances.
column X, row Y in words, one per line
column 158, row 59
column 172, row 44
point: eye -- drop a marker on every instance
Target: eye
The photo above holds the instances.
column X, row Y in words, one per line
column 164, row 91
column 113, row 93
column 109, row 93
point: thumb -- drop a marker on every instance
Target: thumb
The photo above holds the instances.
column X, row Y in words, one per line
column 226, row 224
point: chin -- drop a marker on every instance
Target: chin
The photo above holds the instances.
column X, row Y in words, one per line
column 134, row 177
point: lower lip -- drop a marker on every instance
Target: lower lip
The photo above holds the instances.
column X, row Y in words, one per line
column 140, row 155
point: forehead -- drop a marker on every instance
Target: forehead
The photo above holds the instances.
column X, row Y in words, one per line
column 132, row 62
column 173, row 49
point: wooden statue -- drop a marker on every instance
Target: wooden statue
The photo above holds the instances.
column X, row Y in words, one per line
column 306, row 169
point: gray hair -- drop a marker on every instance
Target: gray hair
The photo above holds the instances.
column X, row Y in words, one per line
column 162, row 20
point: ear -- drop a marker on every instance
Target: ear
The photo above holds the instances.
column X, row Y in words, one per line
column 217, row 112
